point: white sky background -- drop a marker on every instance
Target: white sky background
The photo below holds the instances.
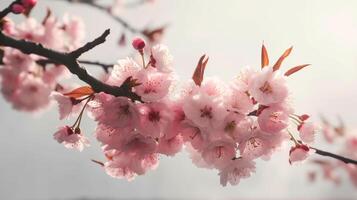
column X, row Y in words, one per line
column 324, row 33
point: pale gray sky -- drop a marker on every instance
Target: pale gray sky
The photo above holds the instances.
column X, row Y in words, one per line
column 34, row 166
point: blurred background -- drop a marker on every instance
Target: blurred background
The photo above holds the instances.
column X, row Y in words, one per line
column 324, row 33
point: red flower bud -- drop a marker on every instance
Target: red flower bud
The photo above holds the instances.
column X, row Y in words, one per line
column 29, row 3
column 138, row 43
column 17, row 8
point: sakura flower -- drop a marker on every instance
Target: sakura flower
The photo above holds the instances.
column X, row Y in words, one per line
column 307, row 132
column 124, row 69
column 268, row 87
column 219, row 153
column 18, row 61
column 274, row 118
column 205, row 111
column 122, row 165
column 138, row 145
column 118, row 112
column 74, row 28
column 261, row 144
column 32, row 95
column 239, row 101
column 299, row 153
column 244, row 78
column 161, row 58
column 52, row 32
column 153, row 86
column 170, row 146
column 67, row 106
column 71, row 139
column 154, row 119
column 235, row 170
column 194, row 137
column 30, row 30
column 10, row 81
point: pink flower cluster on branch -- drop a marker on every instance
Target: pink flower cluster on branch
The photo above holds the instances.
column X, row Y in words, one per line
column 26, row 82
column 142, row 112
column 153, row 35
column 329, row 169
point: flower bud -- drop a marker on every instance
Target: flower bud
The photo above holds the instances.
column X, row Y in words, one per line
column 17, row 8
column 298, row 153
column 29, row 3
column 138, row 43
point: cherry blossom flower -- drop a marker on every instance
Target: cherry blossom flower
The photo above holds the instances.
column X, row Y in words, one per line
column 154, row 119
column 161, row 58
column 219, row 153
column 153, row 86
column 67, row 106
column 268, row 87
column 71, row 139
column 235, row 170
column 299, row 153
column 307, row 132
column 204, row 110
column 274, row 118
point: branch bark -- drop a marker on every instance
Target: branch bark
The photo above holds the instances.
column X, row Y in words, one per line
column 118, row 19
column 335, row 156
column 71, row 62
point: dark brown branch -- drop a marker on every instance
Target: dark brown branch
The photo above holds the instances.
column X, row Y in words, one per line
column 71, row 62
column 118, row 19
column 335, row 156
column 90, row 45
column 104, row 66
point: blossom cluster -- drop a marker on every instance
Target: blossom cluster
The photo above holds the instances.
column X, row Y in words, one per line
column 28, row 80
column 224, row 126
column 330, row 169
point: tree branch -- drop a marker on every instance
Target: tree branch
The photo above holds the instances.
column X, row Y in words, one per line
column 71, row 62
column 118, row 19
column 335, row 156
column 104, row 66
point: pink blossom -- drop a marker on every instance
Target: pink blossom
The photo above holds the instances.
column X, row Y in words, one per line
column 136, row 144
column 153, row 86
column 118, row 112
column 75, row 29
column 261, row 144
column 30, row 30
column 170, row 146
column 124, row 69
column 235, row 170
column 219, row 153
column 71, row 139
column 268, row 87
column 193, row 136
column 29, row 3
column 122, row 165
column 18, row 61
column 307, row 132
column 274, row 118
column 204, row 111
column 17, row 8
column 239, row 101
column 67, row 106
column 154, row 119
column 161, row 58
column 299, row 153
column 10, row 81
column 32, row 95
column 138, row 43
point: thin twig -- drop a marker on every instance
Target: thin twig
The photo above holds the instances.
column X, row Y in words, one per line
column 335, row 156
column 71, row 62
column 121, row 21
column 104, row 66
